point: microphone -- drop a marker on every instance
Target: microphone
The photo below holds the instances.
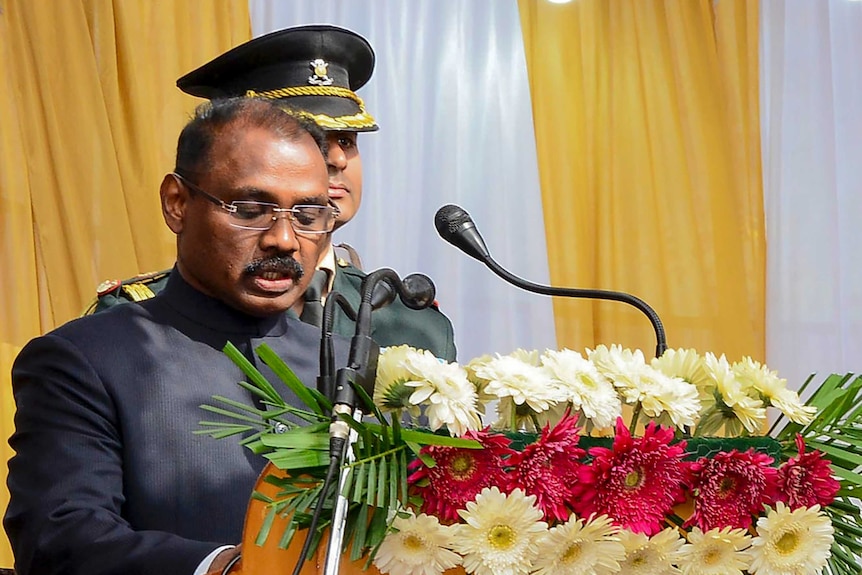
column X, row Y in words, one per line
column 456, row 226
column 416, row 291
column 361, row 370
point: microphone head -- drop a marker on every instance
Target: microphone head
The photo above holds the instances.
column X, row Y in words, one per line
column 456, row 226
column 382, row 295
column 449, row 219
column 418, row 291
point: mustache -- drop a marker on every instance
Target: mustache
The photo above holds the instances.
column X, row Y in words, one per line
column 284, row 265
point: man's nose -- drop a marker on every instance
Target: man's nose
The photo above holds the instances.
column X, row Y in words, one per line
column 336, row 158
column 281, row 235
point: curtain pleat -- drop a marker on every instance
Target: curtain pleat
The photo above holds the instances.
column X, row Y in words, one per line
column 90, row 119
column 647, row 133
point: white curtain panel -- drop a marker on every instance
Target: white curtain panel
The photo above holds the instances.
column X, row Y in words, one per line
column 811, row 118
column 451, row 96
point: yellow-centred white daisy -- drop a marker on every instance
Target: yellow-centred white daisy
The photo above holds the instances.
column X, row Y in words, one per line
column 684, row 363
column 442, row 388
column 656, row 555
column 500, row 533
column 580, row 548
column 716, row 552
column 773, row 390
column 797, row 542
column 479, row 383
column 526, row 384
column 733, row 397
column 586, row 389
column 390, row 393
column 672, row 397
column 621, row 366
column 418, row 545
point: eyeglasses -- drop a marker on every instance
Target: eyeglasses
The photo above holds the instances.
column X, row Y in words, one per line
column 261, row 216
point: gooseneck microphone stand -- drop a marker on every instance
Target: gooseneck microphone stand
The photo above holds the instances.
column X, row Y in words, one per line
column 378, row 289
column 456, row 226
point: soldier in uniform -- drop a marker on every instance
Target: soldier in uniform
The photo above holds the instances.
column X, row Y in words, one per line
column 313, row 71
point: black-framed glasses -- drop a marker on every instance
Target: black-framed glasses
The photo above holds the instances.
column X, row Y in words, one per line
column 261, row 216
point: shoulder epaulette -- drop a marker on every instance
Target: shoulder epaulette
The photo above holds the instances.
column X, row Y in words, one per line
column 138, row 288
column 135, row 288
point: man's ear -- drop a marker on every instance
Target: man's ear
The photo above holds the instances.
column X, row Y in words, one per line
column 174, row 201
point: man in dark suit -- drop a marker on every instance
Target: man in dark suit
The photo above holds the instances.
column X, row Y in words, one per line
column 313, row 70
column 108, row 477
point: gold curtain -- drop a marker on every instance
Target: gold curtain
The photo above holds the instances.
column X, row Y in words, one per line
column 90, row 115
column 647, row 129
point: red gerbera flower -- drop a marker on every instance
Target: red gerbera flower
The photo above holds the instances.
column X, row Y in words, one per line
column 806, row 481
column 637, row 482
column 728, row 489
column 459, row 475
column 548, row 468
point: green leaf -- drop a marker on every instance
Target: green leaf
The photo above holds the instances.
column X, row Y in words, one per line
column 372, row 482
column 311, row 437
column 428, row 438
column 289, row 378
column 361, row 532
column 265, row 527
column 287, row 536
column 382, row 488
column 252, row 373
column 221, row 430
column 403, row 478
column 377, row 529
column 232, row 414
column 288, row 460
column 360, row 483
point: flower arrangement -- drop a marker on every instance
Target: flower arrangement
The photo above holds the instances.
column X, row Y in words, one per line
column 559, row 483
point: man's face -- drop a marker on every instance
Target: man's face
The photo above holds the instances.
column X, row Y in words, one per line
column 345, row 174
column 253, row 271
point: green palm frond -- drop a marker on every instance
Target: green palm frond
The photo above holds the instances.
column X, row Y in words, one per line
column 836, row 431
column 376, row 485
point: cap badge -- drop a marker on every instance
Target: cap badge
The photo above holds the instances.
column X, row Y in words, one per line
column 320, row 77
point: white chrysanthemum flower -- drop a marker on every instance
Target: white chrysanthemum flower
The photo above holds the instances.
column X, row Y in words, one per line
column 654, row 555
column 787, row 402
column 390, row 393
column 530, row 357
column 752, row 373
column 576, row 548
column 749, row 411
column 684, row 363
column 796, row 542
column 773, row 390
column 716, row 552
column 621, row 366
column 419, row 545
column 585, row 388
column 526, row 384
column 687, row 364
column 445, row 392
column 479, row 382
column 500, row 533
column 640, row 384
column 674, row 396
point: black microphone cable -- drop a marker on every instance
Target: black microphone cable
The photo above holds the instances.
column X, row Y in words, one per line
column 456, row 226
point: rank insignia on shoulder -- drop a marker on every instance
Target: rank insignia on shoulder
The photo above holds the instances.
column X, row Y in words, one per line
column 139, row 288
column 107, row 286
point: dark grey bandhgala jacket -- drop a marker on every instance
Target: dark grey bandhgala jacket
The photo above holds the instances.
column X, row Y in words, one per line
column 108, row 477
